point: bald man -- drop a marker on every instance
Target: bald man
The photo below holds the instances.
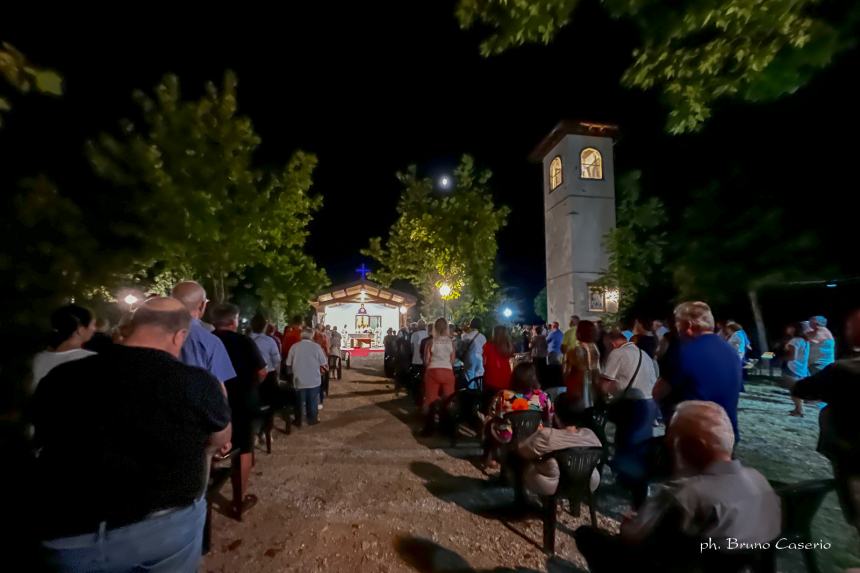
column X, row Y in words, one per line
column 202, row 348
column 124, row 438
column 713, row 507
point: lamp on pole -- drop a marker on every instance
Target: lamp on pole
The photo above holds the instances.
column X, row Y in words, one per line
column 444, row 292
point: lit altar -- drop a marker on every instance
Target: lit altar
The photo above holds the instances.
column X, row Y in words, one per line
column 363, row 311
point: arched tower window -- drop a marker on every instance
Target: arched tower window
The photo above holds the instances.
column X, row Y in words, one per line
column 590, row 164
column 556, row 173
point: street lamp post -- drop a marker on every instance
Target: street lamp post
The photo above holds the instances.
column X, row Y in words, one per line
column 444, row 291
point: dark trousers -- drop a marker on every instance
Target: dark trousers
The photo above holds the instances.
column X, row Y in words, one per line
column 323, row 386
column 634, row 423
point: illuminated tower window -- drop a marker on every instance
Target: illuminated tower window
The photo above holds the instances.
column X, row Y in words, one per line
column 590, row 164
column 556, row 175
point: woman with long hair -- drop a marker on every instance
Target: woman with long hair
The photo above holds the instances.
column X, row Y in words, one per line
column 497, row 362
column 72, row 326
column 796, row 363
column 439, row 373
column 524, row 394
column 582, row 366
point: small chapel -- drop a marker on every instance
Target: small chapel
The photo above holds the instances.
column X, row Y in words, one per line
column 363, row 310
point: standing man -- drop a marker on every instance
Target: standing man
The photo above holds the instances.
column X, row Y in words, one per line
column 136, row 426
column 269, row 347
column 553, row 343
column 292, row 335
column 629, row 377
column 334, row 354
column 706, row 367
column 569, row 340
column 243, row 395
column 321, row 338
column 389, row 343
column 202, row 348
column 266, row 344
column 822, row 346
column 472, row 350
column 417, row 338
column 839, row 439
column 307, row 362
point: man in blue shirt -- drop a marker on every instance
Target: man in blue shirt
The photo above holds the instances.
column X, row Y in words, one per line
column 706, row 367
column 202, row 348
column 553, row 344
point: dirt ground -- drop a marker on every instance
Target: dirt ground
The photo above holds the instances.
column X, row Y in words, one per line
column 360, row 492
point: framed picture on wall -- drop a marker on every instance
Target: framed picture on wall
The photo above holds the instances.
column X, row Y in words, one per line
column 596, row 299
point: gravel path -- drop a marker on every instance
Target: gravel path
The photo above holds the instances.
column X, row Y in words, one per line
column 359, row 492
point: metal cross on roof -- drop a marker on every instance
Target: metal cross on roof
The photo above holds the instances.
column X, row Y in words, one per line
column 363, row 270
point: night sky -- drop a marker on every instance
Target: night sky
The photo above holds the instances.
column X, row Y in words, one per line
column 371, row 90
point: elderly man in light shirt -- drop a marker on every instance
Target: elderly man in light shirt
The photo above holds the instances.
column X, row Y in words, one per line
column 417, row 338
column 307, row 361
column 714, row 507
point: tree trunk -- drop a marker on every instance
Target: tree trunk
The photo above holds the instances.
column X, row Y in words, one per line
column 759, row 321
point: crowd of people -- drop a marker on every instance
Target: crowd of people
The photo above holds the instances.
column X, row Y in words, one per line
column 140, row 412
column 153, row 401
column 672, row 394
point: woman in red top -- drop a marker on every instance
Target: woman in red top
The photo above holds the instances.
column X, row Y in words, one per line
column 582, row 366
column 497, row 362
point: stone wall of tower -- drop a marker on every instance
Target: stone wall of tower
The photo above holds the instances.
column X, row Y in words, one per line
column 577, row 215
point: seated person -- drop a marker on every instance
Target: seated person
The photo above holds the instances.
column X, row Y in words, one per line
column 713, row 500
column 525, row 394
column 542, row 475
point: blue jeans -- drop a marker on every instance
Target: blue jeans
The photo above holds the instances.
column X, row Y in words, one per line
column 308, row 404
column 166, row 543
column 474, row 367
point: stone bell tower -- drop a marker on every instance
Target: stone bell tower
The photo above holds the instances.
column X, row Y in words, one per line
column 579, row 208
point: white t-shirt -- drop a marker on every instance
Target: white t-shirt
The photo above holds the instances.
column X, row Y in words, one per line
column 440, row 353
column 305, row 358
column 416, row 339
column 47, row 360
column 620, row 367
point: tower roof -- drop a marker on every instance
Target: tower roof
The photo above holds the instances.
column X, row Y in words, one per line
column 571, row 127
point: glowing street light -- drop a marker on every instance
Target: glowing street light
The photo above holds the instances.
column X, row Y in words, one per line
column 445, row 292
column 445, row 182
column 508, row 313
column 130, row 299
column 403, row 310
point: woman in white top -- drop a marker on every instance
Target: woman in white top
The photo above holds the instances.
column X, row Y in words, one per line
column 439, row 375
column 796, row 364
column 72, row 327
